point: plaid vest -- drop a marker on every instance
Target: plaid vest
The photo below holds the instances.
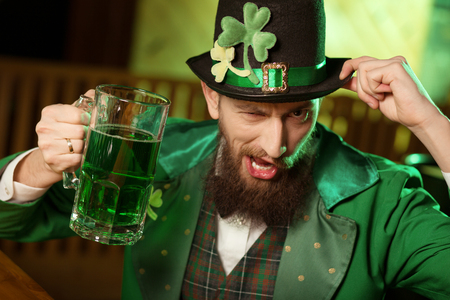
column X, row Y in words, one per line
column 252, row 278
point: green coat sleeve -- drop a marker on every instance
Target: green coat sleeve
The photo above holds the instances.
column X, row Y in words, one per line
column 420, row 248
column 43, row 219
column 403, row 239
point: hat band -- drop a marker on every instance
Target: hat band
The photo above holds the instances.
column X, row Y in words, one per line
column 299, row 76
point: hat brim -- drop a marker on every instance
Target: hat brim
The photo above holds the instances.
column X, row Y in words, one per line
column 201, row 66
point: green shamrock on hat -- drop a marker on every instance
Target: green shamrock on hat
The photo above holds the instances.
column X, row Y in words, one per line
column 249, row 33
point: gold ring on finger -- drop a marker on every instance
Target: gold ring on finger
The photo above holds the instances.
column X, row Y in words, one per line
column 69, row 144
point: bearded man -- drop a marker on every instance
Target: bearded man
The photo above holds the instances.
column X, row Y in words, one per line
column 265, row 202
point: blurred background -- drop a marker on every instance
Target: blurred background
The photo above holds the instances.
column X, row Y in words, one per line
column 51, row 51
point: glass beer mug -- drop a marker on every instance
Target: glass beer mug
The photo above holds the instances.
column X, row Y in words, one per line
column 118, row 165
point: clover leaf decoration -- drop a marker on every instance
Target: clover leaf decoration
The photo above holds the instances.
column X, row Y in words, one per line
column 249, row 33
column 225, row 56
column 155, row 201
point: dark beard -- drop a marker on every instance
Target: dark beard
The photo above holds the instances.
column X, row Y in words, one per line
column 276, row 202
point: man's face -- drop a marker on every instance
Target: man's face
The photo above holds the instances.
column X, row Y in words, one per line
column 266, row 137
column 262, row 170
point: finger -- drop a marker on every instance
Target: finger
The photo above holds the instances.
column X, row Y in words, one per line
column 50, row 129
column 351, row 85
column 352, row 65
column 60, row 163
column 374, row 85
column 381, row 78
column 378, row 90
column 65, row 114
column 61, row 147
column 90, row 93
column 58, row 146
column 70, row 146
column 57, row 154
column 366, row 62
column 366, row 86
column 364, row 94
column 401, row 58
column 392, row 78
column 354, row 85
column 70, row 131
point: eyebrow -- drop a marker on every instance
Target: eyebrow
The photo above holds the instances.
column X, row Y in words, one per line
column 247, row 106
column 303, row 105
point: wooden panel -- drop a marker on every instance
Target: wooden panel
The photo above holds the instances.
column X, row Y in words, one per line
column 15, row 284
column 23, row 114
column 100, row 32
column 6, row 108
column 72, row 268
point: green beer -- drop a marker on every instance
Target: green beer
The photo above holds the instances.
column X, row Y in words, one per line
column 115, row 183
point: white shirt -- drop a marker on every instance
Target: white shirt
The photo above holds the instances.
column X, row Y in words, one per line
column 233, row 240
column 15, row 192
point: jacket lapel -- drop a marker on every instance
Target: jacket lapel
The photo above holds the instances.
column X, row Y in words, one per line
column 340, row 171
column 316, row 255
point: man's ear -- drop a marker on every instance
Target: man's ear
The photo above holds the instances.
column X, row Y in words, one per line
column 212, row 100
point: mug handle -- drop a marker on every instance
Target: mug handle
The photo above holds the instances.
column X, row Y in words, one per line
column 70, row 180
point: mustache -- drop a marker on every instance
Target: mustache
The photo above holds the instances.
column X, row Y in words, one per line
column 247, row 150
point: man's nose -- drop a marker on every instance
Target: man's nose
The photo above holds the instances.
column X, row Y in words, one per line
column 273, row 139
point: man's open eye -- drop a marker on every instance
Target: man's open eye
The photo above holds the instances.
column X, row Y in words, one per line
column 301, row 115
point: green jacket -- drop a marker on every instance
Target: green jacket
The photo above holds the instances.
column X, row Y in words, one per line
column 370, row 226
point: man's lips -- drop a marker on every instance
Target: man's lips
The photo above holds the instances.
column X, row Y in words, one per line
column 260, row 168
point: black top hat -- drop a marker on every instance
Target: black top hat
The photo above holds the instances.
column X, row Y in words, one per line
column 269, row 51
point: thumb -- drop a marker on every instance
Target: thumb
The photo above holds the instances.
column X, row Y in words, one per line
column 351, row 84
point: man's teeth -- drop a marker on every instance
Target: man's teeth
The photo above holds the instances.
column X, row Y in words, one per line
column 258, row 167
